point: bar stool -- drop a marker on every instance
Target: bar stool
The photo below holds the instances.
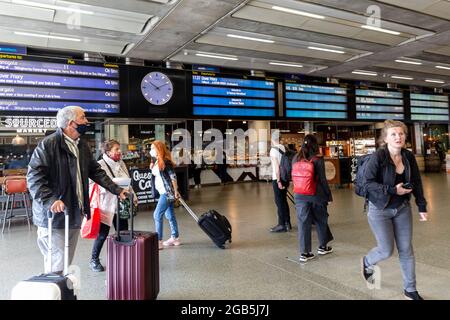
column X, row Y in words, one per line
column 15, row 187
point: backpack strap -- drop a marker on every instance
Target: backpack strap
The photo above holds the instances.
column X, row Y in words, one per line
column 279, row 150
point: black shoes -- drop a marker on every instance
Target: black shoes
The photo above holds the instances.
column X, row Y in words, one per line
column 278, row 228
column 367, row 272
column 306, row 256
column 324, row 250
column 96, row 266
column 288, row 226
column 414, row 295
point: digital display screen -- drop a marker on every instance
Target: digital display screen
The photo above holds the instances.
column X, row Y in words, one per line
column 429, row 107
column 29, row 85
column 379, row 105
column 311, row 101
column 234, row 97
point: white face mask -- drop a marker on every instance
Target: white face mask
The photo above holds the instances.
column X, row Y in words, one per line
column 153, row 153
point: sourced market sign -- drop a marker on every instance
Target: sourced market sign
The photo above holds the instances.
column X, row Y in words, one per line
column 142, row 183
column 28, row 124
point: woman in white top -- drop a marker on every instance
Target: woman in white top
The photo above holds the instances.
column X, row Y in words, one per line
column 114, row 167
column 166, row 185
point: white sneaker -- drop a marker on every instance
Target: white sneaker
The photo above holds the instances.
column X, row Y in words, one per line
column 172, row 242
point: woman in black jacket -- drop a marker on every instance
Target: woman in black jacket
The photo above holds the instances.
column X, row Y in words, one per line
column 390, row 177
column 312, row 207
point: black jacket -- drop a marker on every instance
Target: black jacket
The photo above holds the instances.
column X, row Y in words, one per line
column 323, row 192
column 379, row 179
column 52, row 176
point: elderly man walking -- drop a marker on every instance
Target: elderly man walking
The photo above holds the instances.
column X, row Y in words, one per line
column 58, row 180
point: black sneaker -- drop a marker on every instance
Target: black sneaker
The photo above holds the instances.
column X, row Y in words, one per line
column 414, row 295
column 367, row 272
column 96, row 266
column 324, row 250
column 306, row 256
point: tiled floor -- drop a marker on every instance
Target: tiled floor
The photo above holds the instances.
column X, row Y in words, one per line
column 260, row 264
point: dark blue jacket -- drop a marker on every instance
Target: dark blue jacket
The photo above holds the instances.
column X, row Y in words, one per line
column 379, row 178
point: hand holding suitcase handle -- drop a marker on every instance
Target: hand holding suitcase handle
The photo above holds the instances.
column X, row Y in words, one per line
column 129, row 195
column 66, row 239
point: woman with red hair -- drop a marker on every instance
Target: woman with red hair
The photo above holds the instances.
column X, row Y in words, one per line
column 162, row 167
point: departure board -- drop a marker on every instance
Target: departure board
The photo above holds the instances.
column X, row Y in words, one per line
column 232, row 97
column 379, row 105
column 429, row 107
column 31, row 85
column 311, row 101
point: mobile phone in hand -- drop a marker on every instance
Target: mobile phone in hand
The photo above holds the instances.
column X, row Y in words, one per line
column 407, row 185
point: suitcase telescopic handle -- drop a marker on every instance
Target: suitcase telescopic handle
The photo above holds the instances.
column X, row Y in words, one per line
column 131, row 196
column 188, row 209
column 50, row 216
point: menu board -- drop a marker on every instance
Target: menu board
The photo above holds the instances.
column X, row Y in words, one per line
column 311, row 101
column 379, row 105
column 30, row 85
column 232, row 97
column 429, row 107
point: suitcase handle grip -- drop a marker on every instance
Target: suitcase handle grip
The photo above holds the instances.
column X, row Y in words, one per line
column 117, row 238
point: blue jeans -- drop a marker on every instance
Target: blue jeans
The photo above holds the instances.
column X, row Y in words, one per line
column 164, row 206
column 389, row 226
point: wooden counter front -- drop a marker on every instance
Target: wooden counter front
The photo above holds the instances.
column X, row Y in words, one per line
column 332, row 170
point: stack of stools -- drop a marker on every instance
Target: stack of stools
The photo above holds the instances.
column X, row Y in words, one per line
column 13, row 188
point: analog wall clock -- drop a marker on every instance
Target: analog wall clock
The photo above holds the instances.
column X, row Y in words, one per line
column 157, row 88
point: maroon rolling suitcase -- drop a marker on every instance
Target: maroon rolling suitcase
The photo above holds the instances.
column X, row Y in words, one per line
column 132, row 271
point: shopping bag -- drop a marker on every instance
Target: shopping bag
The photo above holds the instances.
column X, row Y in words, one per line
column 90, row 228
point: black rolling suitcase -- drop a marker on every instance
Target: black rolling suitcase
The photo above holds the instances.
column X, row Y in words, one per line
column 215, row 225
column 49, row 286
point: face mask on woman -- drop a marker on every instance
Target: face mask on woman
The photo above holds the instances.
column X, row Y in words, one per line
column 153, row 153
column 115, row 156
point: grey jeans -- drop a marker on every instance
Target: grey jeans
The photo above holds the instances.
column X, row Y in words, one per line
column 391, row 225
column 307, row 212
column 57, row 247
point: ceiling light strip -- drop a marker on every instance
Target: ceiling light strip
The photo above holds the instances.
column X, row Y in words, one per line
column 402, row 77
column 434, row 81
column 364, row 26
column 298, row 12
column 408, row 62
column 45, row 36
column 366, row 73
column 443, row 67
column 215, row 57
column 249, row 38
column 327, row 50
column 72, row 8
column 286, row 64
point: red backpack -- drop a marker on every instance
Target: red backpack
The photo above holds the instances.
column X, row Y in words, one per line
column 303, row 177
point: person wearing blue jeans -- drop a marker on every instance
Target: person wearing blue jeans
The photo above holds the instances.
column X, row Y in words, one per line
column 391, row 175
column 165, row 207
column 167, row 187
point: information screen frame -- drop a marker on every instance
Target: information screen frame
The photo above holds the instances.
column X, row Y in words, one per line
column 313, row 101
column 375, row 104
column 233, row 96
column 41, row 84
column 429, row 107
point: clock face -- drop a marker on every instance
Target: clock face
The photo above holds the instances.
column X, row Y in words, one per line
column 157, row 88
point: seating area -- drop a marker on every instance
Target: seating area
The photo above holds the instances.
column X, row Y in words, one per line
column 15, row 201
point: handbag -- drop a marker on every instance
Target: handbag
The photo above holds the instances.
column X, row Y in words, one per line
column 124, row 205
column 90, row 228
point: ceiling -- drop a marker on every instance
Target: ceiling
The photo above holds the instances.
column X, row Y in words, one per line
column 393, row 41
